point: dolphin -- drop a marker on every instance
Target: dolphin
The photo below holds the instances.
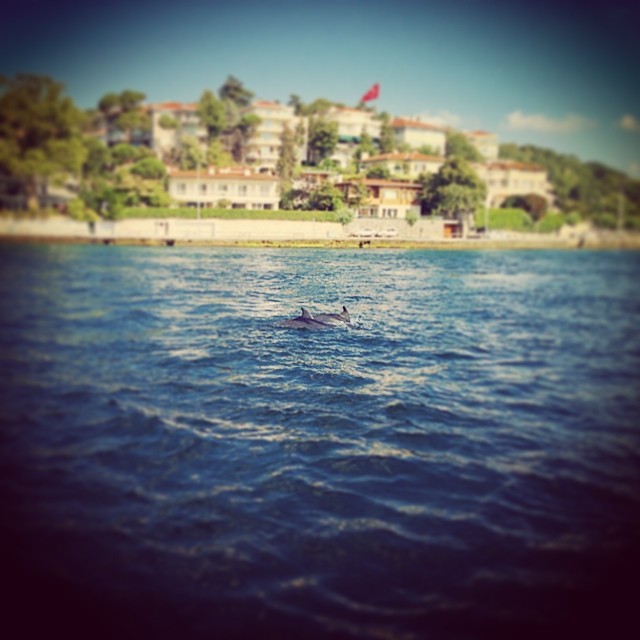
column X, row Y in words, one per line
column 304, row 321
column 334, row 318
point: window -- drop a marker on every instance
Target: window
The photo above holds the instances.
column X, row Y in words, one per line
column 181, row 188
column 223, row 188
column 203, row 189
column 264, row 189
column 242, row 190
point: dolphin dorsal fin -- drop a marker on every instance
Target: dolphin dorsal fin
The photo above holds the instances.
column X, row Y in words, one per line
column 305, row 313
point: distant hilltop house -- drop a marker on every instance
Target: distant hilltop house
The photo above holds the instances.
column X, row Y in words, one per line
column 410, row 164
column 486, row 143
column 373, row 198
column 506, row 178
column 263, row 149
column 235, row 187
column 417, row 134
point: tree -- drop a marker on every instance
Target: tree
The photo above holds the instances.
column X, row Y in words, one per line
column 365, row 146
column 326, row 197
column 167, row 121
column 98, row 160
column 241, row 134
column 149, row 168
column 379, row 172
column 130, row 121
column 212, row 114
column 287, row 160
column 323, row 138
column 191, row 154
column 296, row 103
column 387, row 135
column 39, row 132
column 534, row 204
column 109, row 102
column 454, row 190
column 217, row 156
column 124, row 153
column 459, row 146
column 130, row 100
column 428, row 150
column 235, row 91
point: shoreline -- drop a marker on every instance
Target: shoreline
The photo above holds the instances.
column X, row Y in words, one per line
column 605, row 242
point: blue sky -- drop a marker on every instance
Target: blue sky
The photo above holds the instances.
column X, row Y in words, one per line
column 558, row 74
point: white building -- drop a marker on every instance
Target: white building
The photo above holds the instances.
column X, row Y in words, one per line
column 263, row 149
column 416, row 134
column 237, row 186
column 486, row 143
column 183, row 119
column 506, row 178
column 409, row 165
column 352, row 123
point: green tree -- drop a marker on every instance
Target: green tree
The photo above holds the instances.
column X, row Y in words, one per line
column 287, row 160
column 149, row 168
column 323, row 138
column 98, row 161
column 534, row 204
column 242, row 134
column 235, row 91
column 428, row 150
column 167, row 121
column 326, row 197
column 296, row 103
column 217, row 156
column 458, row 145
column 212, row 114
column 454, row 190
column 133, row 121
column 130, row 100
column 387, row 135
column 124, row 153
column 365, row 146
column 191, row 154
column 108, row 103
column 381, row 173
column 39, row 132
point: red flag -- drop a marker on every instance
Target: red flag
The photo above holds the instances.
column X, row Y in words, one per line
column 372, row 94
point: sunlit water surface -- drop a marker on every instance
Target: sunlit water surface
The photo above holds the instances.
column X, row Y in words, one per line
column 463, row 462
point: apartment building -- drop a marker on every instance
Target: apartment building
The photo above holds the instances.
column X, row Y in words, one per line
column 506, row 178
column 486, row 143
column 263, row 149
column 410, row 165
column 417, row 134
column 383, row 199
column 238, row 187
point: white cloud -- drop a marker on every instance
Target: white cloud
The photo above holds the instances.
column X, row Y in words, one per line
column 442, row 118
column 571, row 123
column 629, row 122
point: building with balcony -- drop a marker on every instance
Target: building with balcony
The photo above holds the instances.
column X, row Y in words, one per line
column 263, row 150
column 352, row 123
column 417, row 134
column 410, row 165
column 238, row 187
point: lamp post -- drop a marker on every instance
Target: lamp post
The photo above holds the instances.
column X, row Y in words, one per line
column 198, row 186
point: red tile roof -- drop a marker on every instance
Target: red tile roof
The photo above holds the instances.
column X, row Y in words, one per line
column 506, row 165
column 403, row 123
column 173, row 106
column 227, row 173
column 375, row 182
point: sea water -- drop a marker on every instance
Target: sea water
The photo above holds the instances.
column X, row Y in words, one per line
column 463, row 461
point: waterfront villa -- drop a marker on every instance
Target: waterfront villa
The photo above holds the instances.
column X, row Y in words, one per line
column 506, row 178
column 263, row 149
column 373, row 198
column 409, row 165
column 352, row 123
column 417, row 134
column 236, row 187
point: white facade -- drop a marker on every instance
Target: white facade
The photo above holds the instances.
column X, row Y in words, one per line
column 353, row 122
column 188, row 124
column 238, row 186
column 486, row 143
column 263, row 149
column 509, row 178
column 405, row 164
column 416, row 134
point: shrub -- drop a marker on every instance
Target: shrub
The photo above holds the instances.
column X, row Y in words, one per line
column 509, row 219
column 149, row 168
column 550, row 223
column 411, row 218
